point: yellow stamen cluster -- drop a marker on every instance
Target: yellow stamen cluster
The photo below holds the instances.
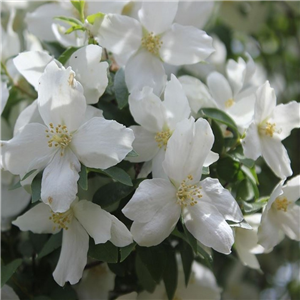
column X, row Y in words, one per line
column 188, row 194
column 61, row 220
column 268, row 128
column 229, row 103
column 152, row 43
column 162, row 138
column 282, row 204
column 58, row 136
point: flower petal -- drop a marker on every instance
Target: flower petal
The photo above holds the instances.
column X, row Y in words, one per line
column 147, row 109
column 286, row 118
column 175, row 102
column 59, row 182
column 31, row 64
column 26, row 151
column 150, row 69
column 276, row 156
column 221, row 199
column 101, row 143
column 183, row 45
column 92, row 112
column 191, row 142
column 291, row 190
column 236, row 72
column 94, row 220
column 159, row 227
column 73, row 255
column 120, row 235
column 61, row 99
column 251, row 143
column 36, row 220
column 289, row 222
column 210, row 158
column 208, row 226
column 151, row 196
column 144, row 144
column 4, row 95
column 121, row 35
column 157, row 165
column 90, row 72
column 157, row 17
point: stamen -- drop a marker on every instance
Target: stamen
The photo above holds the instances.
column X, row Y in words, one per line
column 61, row 219
column 162, row 138
column 152, row 43
column 229, row 103
column 268, row 128
column 282, row 204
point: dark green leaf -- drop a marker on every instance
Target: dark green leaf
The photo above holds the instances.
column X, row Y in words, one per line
column 170, row 275
column 125, row 251
column 54, row 48
column 83, row 178
column 187, row 258
column 219, row 139
column 229, row 170
column 36, row 186
column 104, row 252
column 66, row 293
column 69, row 20
column 52, row 244
column 245, row 190
column 28, row 174
column 238, row 155
column 144, row 275
column 120, row 88
column 64, row 57
column 9, row 270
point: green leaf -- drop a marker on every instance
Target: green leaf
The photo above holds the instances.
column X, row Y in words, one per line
column 79, row 5
column 245, row 190
column 143, row 275
column 125, row 251
column 222, row 117
column 111, row 193
column 229, row 169
column 54, row 48
column 75, row 28
column 28, row 174
column 205, row 170
column 115, row 173
column 64, row 57
column 36, row 187
column 83, row 178
column 120, row 89
column 187, row 258
column 252, row 207
column 238, row 155
column 219, row 139
column 15, row 186
column 52, row 244
column 95, row 17
column 69, row 20
column 104, row 252
column 132, row 153
column 170, row 275
column 9, row 270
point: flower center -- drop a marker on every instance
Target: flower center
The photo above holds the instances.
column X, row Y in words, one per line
column 229, row 103
column 282, row 204
column 58, row 136
column 152, row 43
column 188, row 194
column 61, row 220
column 162, row 138
column 268, row 128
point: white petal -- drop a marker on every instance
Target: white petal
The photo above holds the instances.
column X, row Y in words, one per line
column 150, row 69
column 36, row 220
column 145, row 170
column 290, row 222
column 265, row 103
column 221, row 199
column 157, row 17
column 101, row 143
column 121, row 35
column 176, row 103
column 247, row 258
column 159, row 227
column 147, row 109
column 73, row 255
column 94, row 220
column 31, row 65
column 291, row 190
column 90, row 72
column 209, row 227
column 61, row 99
column 28, row 150
column 219, row 88
column 150, row 197
column 4, row 95
column 236, row 72
column 210, row 159
column 29, row 115
column 92, row 112
column 8, row 293
column 251, row 143
column 276, row 156
column 120, row 235
column 59, row 182
column 115, row 7
column 286, row 118
column 185, row 45
column 187, row 149
column 144, row 144
column 157, row 165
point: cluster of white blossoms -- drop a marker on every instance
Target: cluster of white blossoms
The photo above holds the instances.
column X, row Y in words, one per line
column 170, row 140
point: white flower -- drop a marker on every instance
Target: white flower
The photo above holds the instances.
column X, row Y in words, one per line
column 271, row 124
column 246, row 242
column 84, row 218
column 4, row 95
column 90, row 72
column 158, row 203
column 281, row 215
column 236, row 95
column 64, row 140
column 8, row 293
column 142, row 45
